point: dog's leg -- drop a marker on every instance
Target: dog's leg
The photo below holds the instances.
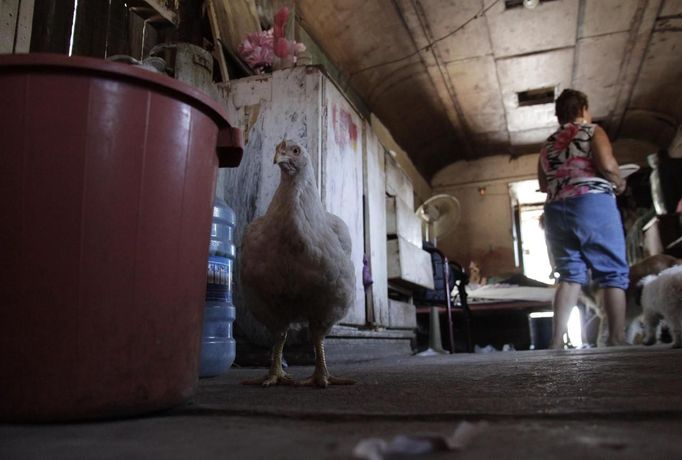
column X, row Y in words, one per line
column 675, row 324
column 650, row 322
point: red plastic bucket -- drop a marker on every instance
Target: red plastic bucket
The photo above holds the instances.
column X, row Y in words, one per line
column 107, row 175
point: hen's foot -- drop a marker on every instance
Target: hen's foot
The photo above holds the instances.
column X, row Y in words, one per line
column 271, row 379
column 322, row 381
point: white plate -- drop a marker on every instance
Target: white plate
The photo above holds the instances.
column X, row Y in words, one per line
column 628, row 169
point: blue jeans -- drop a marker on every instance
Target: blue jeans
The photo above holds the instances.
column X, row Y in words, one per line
column 586, row 232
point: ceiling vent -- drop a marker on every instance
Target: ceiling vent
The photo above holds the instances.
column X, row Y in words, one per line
column 530, row 4
column 536, row 96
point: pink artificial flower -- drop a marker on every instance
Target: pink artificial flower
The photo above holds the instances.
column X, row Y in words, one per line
column 257, row 49
column 282, row 16
column 298, row 49
column 281, row 47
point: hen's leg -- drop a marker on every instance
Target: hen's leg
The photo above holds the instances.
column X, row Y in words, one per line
column 321, row 377
column 276, row 376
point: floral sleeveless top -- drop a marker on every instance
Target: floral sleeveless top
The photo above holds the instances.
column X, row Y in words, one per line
column 566, row 158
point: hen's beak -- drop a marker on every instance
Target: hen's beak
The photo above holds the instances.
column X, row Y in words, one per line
column 279, row 153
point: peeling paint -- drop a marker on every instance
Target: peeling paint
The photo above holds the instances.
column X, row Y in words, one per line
column 251, row 113
column 344, row 128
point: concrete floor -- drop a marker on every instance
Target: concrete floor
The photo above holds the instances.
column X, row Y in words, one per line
column 588, row 404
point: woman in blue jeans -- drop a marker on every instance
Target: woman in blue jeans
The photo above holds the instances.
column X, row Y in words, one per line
column 583, row 227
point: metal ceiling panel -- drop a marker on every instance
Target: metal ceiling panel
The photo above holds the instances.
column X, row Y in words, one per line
column 517, row 74
column 607, row 16
column 671, row 8
column 532, row 136
column 446, row 16
column 337, row 26
column 660, row 77
column 478, row 92
column 492, row 137
column 598, row 62
column 549, row 26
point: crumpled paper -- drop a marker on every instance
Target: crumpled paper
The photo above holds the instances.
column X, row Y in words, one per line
column 411, row 445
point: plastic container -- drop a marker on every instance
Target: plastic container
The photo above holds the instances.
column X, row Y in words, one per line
column 221, row 253
column 540, row 332
column 106, row 179
column 218, row 348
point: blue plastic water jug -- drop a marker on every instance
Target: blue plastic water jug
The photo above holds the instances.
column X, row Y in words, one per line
column 218, row 347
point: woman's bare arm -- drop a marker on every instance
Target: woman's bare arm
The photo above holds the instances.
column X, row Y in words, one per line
column 542, row 177
column 605, row 161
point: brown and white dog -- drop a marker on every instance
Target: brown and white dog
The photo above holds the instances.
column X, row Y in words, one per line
column 661, row 299
column 651, row 265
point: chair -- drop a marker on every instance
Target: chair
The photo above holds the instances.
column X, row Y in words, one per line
column 446, row 275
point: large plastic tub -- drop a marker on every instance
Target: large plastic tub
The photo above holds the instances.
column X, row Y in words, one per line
column 107, row 175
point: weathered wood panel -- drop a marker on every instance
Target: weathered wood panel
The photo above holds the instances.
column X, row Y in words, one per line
column 118, row 33
column 402, row 315
column 402, row 221
column 409, row 265
column 375, row 227
column 51, row 27
column 342, row 181
column 90, row 35
column 398, row 182
column 236, row 19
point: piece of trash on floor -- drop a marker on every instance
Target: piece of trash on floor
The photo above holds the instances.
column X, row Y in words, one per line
column 608, row 443
column 411, row 445
column 492, row 349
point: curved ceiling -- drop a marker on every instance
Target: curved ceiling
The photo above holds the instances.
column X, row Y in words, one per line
column 463, row 79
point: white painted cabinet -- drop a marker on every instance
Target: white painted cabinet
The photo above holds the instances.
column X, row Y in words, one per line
column 300, row 104
column 402, row 221
column 409, row 266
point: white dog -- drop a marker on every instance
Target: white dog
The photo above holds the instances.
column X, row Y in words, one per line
column 662, row 298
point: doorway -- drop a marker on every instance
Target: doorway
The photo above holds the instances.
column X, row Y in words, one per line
column 529, row 234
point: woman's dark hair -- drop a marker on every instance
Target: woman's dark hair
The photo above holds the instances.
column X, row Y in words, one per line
column 569, row 105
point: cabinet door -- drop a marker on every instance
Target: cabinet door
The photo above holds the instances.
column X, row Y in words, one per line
column 342, row 179
column 375, row 228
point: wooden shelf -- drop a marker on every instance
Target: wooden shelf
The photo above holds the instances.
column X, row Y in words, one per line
column 153, row 11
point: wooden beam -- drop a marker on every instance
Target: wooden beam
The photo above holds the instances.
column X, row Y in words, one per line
column 637, row 44
column 154, row 12
column 217, row 40
column 51, row 27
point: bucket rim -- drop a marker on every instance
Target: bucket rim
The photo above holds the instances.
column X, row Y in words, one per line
column 84, row 64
